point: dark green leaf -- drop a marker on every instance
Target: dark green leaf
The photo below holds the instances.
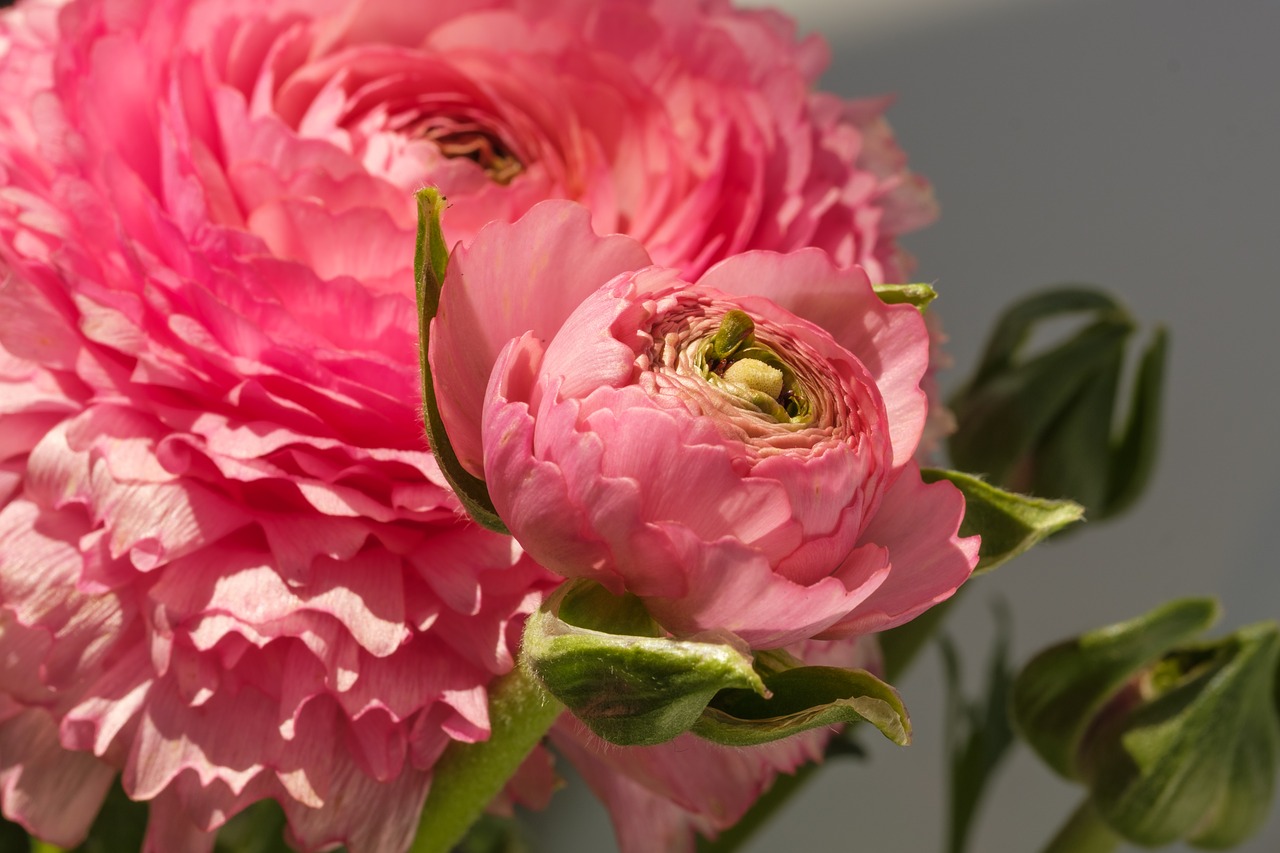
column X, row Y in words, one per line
column 1008, row 523
column 429, row 263
column 257, row 829
column 1135, row 452
column 804, row 698
column 119, row 827
column 1043, row 421
column 494, row 834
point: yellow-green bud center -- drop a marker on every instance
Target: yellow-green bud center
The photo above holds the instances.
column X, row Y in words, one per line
column 756, row 375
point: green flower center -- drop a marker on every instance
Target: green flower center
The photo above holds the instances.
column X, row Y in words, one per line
column 463, row 138
column 744, row 368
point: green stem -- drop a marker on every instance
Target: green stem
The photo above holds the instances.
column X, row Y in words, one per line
column 1084, row 832
column 469, row 775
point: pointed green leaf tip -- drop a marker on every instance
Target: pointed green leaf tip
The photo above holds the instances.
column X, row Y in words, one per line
column 1008, row 523
column 1174, row 740
column 803, row 698
column 635, row 688
column 1043, row 422
column 430, row 261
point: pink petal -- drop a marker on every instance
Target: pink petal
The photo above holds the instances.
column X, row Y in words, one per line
column 917, row 525
column 513, row 278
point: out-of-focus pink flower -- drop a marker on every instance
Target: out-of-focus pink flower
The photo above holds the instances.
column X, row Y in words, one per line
column 768, row 489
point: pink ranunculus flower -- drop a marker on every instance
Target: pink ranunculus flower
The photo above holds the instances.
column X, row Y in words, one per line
column 737, row 451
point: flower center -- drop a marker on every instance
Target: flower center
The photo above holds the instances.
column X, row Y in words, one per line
column 742, row 367
column 463, row 138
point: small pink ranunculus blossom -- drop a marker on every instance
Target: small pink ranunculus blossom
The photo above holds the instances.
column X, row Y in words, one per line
column 737, row 450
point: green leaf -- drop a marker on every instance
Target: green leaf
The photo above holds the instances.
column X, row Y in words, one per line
column 1043, row 422
column 257, row 829
column 430, row 260
column 1197, row 758
column 120, row 825
column 494, row 834
column 919, row 295
column 979, row 733
column 13, row 837
column 1008, row 523
column 1060, row 691
column 1134, row 456
column 804, row 698
column 1015, row 326
column 629, row 689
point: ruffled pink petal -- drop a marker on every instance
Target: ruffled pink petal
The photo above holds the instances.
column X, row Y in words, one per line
column 917, row 525
column 517, row 278
column 51, row 791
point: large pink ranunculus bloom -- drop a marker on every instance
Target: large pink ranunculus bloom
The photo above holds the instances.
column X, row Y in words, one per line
column 229, row 567
column 214, row 501
column 766, row 488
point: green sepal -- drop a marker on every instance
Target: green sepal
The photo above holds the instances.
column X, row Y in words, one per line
column 919, row 295
column 1061, row 690
column 430, row 261
column 804, row 698
column 1008, row 523
column 630, row 689
column 1043, row 423
column 1196, row 759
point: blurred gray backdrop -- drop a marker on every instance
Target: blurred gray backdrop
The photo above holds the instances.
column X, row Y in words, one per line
column 1130, row 143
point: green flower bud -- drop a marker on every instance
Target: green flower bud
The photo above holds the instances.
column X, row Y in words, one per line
column 1175, row 741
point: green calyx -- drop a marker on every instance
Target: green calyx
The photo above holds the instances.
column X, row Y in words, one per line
column 737, row 364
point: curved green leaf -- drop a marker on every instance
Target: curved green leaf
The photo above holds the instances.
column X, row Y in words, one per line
column 629, row 689
column 804, row 698
column 430, row 260
column 1008, row 523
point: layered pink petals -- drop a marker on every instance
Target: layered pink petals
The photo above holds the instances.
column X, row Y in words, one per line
column 621, row 452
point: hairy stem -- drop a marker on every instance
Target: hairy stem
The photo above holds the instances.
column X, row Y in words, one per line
column 469, row 775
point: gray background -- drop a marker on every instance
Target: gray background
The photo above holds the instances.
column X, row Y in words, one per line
column 1130, row 143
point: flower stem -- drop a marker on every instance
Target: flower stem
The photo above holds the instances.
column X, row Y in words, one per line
column 469, row 775
column 38, row 846
column 1084, row 832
